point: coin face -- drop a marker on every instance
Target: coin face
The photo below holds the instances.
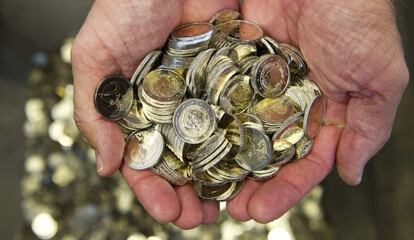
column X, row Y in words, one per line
column 164, row 85
column 113, row 97
column 314, row 116
column 241, row 30
column 237, row 95
column 274, row 110
column 192, row 30
column 194, row 121
column 143, row 149
column 271, row 76
column 257, row 150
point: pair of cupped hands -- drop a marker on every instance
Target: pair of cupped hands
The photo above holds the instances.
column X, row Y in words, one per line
column 353, row 49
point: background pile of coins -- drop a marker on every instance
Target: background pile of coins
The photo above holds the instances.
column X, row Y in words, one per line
column 228, row 102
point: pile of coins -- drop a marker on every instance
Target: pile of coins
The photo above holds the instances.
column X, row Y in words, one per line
column 219, row 104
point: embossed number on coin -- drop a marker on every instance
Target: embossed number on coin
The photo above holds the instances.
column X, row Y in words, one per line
column 113, row 97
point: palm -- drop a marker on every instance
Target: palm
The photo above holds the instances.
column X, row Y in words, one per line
column 114, row 38
column 352, row 66
column 353, row 52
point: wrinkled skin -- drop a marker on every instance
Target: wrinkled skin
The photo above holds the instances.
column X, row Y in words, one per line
column 352, row 47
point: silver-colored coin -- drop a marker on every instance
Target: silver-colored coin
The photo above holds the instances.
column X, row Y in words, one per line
column 194, row 121
column 257, row 151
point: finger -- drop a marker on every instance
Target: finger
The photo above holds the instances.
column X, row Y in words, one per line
column 237, row 207
column 198, row 10
column 154, row 193
column 369, row 122
column 273, row 16
column 103, row 136
column 211, row 211
column 110, row 42
column 191, row 209
column 295, row 179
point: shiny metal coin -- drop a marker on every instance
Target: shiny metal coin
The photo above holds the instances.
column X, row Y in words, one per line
column 113, row 97
column 273, row 110
column 143, row 149
column 194, row 121
column 224, row 16
column 270, row 76
column 257, row 151
column 237, row 95
column 146, row 65
column 135, row 118
column 241, row 31
column 283, row 157
column 192, row 31
column 303, row 148
column 164, row 85
column 264, row 174
column 314, row 116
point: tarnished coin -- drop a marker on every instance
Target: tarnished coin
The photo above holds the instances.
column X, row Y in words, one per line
column 113, row 97
column 194, row 121
column 270, row 76
column 257, row 151
column 224, row 16
column 164, row 85
column 241, row 31
column 237, row 95
column 143, row 149
column 314, row 116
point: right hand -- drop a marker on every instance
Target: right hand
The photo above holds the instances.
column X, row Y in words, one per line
column 116, row 35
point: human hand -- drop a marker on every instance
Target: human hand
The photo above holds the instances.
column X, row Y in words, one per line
column 354, row 51
column 114, row 38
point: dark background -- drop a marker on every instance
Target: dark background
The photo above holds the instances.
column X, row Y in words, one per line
column 380, row 208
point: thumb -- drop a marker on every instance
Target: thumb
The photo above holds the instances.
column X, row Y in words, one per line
column 104, row 136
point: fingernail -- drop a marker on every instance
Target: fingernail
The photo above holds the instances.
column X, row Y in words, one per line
column 351, row 179
column 358, row 180
column 99, row 164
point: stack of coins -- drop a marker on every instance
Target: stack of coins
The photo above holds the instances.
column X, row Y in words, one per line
column 185, row 42
column 161, row 92
column 228, row 103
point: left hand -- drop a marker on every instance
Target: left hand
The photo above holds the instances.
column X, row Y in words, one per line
column 355, row 55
